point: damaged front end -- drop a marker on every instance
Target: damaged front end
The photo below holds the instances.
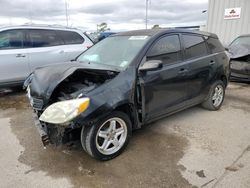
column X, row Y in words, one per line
column 240, row 62
column 65, row 98
column 240, row 68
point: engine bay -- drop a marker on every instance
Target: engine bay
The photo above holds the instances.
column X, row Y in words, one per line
column 80, row 83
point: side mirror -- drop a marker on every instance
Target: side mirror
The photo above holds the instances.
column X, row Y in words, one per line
column 151, row 65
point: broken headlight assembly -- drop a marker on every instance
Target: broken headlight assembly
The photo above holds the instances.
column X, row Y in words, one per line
column 64, row 111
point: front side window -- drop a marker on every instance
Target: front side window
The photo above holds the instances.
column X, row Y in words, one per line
column 117, row 51
column 71, row 37
column 167, row 49
column 11, row 39
column 194, row 45
column 44, row 38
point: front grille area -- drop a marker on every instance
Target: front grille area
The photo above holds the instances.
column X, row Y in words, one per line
column 37, row 103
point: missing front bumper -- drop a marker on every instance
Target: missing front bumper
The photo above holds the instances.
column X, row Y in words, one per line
column 42, row 130
column 239, row 77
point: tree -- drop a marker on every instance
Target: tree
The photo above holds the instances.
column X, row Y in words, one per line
column 156, row 27
column 102, row 27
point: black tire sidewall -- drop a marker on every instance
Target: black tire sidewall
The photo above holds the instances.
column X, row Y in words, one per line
column 92, row 131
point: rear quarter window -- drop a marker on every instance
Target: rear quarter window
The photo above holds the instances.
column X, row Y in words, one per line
column 71, row 37
column 214, row 45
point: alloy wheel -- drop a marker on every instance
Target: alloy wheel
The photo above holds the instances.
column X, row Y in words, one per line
column 111, row 136
column 218, row 95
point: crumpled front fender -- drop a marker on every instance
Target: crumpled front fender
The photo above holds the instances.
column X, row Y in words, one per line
column 108, row 97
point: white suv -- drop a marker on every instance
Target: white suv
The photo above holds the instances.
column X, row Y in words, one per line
column 25, row 48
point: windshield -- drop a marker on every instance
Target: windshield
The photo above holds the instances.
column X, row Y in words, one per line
column 245, row 41
column 116, row 51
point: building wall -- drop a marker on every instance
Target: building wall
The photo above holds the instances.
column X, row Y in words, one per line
column 227, row 30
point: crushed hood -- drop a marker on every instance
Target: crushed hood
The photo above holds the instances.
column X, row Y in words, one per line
column 44, row 80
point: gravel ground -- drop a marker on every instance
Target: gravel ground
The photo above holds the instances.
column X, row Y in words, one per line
column 194, row 147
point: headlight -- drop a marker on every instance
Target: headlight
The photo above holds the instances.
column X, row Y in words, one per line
column 65, row 111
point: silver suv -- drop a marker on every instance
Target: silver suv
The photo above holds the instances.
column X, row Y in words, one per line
column 25, row 48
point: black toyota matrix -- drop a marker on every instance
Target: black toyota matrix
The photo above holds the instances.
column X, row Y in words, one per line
column 124, row 82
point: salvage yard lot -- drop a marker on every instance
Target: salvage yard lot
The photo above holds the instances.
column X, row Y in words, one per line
column 193, row 147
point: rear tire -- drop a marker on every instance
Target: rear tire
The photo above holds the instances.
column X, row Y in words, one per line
column 107, row 138
column 215, row 97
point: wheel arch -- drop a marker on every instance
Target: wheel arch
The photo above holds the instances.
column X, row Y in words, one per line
column 130, row 110
column 224, row 79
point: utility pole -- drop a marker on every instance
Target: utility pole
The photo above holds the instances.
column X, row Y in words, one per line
column 146, row 20
column 66, row 13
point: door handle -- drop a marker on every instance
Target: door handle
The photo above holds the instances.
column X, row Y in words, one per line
column 20, row 55
column 212, row 62
column 182, row 71
column 61, row 52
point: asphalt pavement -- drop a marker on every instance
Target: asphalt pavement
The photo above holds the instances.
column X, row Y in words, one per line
column 192, row 148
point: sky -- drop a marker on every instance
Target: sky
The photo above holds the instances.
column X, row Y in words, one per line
column 118, row 14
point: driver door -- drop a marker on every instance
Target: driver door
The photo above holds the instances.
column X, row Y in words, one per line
column 164, row 90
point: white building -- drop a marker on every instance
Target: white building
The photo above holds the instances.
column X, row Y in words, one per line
column 228, row 19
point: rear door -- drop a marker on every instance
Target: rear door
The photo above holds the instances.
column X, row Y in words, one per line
column 201, row 65
column 14, row 65
column 164, row 90
column 46, row 48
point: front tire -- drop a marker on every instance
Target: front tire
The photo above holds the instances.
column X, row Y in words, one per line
column 108, row 137
column 215, row 97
